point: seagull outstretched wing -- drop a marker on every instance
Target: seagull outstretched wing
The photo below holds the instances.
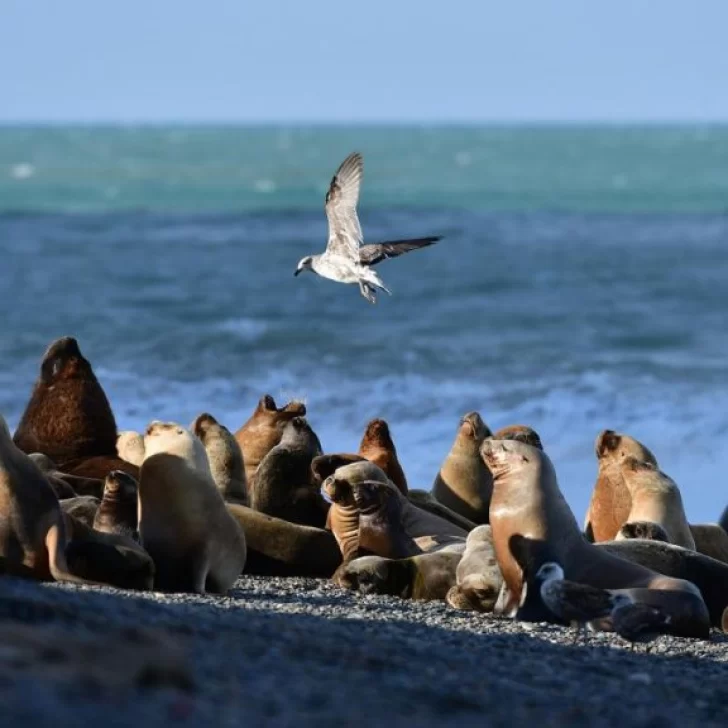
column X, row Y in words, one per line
column 345, row 234
column 377, row 252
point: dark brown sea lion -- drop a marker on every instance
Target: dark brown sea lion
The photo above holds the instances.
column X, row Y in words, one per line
column 610, row 502
column 197, row 546
column 283, row 486
column 263, row 431
column 426, row 577
column 225, row 456
column 32, row 527
column 464, row 483
column 117, row 512
column 279, row 548
column 528, row 508
column 377, row 445
column 68, row 417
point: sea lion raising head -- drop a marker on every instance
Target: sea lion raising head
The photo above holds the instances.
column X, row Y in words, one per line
column 464, row 483
column 117, row 512
column 610, row 502
column 377, row 445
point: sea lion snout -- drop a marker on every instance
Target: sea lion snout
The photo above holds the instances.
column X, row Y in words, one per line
column 607, row 442
column 202, row 423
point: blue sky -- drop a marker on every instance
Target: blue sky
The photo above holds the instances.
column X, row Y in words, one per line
column 318, row 60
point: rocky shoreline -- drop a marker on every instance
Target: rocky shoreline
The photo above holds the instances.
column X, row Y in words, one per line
column 301, row 651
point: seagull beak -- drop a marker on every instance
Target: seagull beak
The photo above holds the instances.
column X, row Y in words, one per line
column 296, row 272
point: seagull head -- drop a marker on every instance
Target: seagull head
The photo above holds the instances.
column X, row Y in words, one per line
column 304, row 264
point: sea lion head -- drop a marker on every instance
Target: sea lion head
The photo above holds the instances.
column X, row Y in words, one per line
column 130, row 446
column 324, row 465
column 63, row 360
column 202, row 424
column 503, row 456
column 613, row 446
column 473, row 428
column 377, row 433
column 298, row 433
column 519, row 433
column 367, row 575
column 173, row 439
column 642, row 529
column 119, row 485
column 267, row 407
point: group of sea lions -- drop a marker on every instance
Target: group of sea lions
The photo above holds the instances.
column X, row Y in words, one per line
column 188, row 509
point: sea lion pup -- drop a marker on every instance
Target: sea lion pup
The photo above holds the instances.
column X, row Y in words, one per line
column 388, row 511
column 377, row 445
column 426, row 577
column 225, row 457
column 279, row 548
column 68, row 417
column 130, row 447
column 528, row 508
column 464, row 483
column 83, row 508
column 263, row 431
column 117, row 512
column 111, row 558
column 283, row 486
column 643, row 529
column 610, row 501
column 32, row 527
column 196, row 545
column 655, row 497
column 519, row 433
column 479, row 579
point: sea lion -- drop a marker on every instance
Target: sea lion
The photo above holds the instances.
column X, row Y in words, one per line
column 279, row 548
column 642, row 529
column 377, row 445
column 117, row 512
column 263, row 431
column 706, row 573
column 111, row 558
column 32, row 526
column 655, row 497
column 464, row 483
column 427, row 502
column 61, row 487
column 390, row 518
column 519, row 433
column 130, row 447
column 723, row 520
column 283, row 486
column 711, row 540
column 68, row 417
column 225, row 457
column 426, row 577
column 610, row 502
column 197, row 546
column 83, row 508
column 478, row 576
column 532, row 524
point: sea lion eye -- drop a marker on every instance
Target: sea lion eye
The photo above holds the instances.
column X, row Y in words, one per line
column 57, row 367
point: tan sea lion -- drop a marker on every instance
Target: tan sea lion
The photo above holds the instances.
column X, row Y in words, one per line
column 111, row 558
column 117, row 511
column 130, row 447
column 283, row 486
column 32, row 526
column 464, row 484
column 279, row 548
column 655, row 497
column 82, row 507
column 197, row 546
column 426, row 577
column 68, row 417
column 610, row 502
column 377, row 445
column 389, row 518
column 532, row 524
column 263, row 431
column 642, row 529
column 478, row 576
column 225, row 457
column 519, row 433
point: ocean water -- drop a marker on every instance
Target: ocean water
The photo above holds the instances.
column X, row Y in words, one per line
column 582, row 283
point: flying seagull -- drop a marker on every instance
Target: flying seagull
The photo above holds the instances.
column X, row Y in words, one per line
column 345, row 259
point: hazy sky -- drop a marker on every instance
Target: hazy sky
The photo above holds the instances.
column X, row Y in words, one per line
column 376, row 60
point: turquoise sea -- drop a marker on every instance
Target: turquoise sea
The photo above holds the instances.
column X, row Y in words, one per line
column 582, row 283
